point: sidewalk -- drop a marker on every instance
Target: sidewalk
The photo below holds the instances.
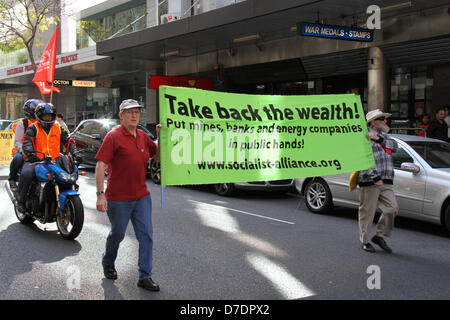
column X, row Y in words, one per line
column 4, row 171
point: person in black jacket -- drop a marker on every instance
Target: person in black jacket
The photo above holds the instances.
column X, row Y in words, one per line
column 36, row 137
column 438, row 128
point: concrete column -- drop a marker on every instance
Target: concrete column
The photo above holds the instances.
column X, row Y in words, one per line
column 378, row 81
column 152, row 13
column 179, row 7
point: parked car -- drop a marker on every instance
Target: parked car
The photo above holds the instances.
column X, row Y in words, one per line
column 4, row 124
column 89, row 135
column 421, row 183
column 229, row 189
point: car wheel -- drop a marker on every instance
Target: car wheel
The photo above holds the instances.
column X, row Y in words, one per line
column 318, row 196
column 224, row 189
column 155, row 171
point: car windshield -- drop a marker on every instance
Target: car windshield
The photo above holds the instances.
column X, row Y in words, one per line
column 111, row 123
column 436, row 154
column 4, row 124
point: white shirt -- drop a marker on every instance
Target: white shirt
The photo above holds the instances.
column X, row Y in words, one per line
column 18, row 136
column 447, row 120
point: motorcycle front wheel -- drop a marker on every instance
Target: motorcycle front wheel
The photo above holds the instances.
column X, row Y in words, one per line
column 70, row 222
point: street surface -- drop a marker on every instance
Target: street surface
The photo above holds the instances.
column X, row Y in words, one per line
column 254, row 246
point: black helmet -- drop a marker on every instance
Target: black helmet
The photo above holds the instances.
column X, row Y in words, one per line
column 43, row 109
column 29, row 107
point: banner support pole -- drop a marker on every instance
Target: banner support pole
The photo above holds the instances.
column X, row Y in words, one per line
column 51, row 94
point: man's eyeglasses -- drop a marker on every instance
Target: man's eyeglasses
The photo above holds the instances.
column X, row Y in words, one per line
column 381, row 118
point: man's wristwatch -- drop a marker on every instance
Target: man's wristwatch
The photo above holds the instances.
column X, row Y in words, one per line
column 99, row 193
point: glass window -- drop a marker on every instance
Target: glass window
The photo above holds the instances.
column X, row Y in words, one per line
column 4, row 124
column 401, row 156
column 436, row 154
column 119, row 21
column 93, row 127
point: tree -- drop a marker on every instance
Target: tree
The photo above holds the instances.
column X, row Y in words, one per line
column 22, row 23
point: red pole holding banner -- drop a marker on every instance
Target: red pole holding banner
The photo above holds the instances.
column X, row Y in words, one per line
column 51, row 94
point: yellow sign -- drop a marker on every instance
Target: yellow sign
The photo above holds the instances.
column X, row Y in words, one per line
column 6, row 144
column 82, row 83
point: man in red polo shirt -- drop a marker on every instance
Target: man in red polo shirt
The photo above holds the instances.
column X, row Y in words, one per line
column 126, row 151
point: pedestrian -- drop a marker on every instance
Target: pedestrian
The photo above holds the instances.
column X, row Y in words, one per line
column 376, row 184
column 447, row 120
column 19, row 129
column 423, row 124
column 60, row 119
column 126, row 151
column 438, row 128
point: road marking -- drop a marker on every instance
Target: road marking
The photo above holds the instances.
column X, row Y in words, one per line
column 285, row 283
column 244, row 212
column 217, row 217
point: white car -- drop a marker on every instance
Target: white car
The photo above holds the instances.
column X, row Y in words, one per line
column 421, row 183
column 4, row 124
column 229, row 189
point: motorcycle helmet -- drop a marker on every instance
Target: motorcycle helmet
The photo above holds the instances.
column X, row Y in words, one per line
column 29, row 107
column 42, row 109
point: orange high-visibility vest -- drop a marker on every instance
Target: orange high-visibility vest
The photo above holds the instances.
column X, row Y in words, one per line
column 30, row 122
column 50, row 143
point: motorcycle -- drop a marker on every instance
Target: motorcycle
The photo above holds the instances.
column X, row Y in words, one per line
column 53, row 196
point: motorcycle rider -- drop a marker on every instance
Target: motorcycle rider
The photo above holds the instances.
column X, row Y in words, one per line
column 45, row 136
column 19, row 129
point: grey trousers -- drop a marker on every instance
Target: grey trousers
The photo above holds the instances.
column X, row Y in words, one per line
column 370, row 198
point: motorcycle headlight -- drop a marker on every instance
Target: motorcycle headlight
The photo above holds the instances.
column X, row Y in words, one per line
column 74, row 176
column 64, row 176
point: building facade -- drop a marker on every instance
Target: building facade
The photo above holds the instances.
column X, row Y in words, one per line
column 254, row 47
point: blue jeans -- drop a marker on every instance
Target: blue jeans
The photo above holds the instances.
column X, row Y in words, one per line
column 140, row 213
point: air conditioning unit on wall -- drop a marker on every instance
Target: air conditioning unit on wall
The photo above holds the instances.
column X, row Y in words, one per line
column 169, row 17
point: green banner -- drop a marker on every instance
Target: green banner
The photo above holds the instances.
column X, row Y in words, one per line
column 216, row 137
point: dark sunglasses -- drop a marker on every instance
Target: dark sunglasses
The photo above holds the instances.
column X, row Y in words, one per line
column 381, row 118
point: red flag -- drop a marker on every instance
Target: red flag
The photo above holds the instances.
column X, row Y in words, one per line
column 44, row 88
column 46, row 71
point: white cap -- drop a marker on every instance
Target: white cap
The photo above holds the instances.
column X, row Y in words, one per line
column 375, row 114
column 129, row 104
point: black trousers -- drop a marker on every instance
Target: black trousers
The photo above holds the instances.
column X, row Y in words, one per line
column 26, row 178
column 14, row 167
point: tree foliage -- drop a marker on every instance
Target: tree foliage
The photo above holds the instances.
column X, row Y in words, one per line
column 23, row 21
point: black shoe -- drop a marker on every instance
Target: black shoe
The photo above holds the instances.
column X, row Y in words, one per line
column 21, row 207
column 110, row 272
column 148, row 284
column 368, row 247
column 13, row 185
column 381, row 243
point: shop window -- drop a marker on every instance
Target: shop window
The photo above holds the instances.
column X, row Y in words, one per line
column 411, row 93
column 352, row 83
